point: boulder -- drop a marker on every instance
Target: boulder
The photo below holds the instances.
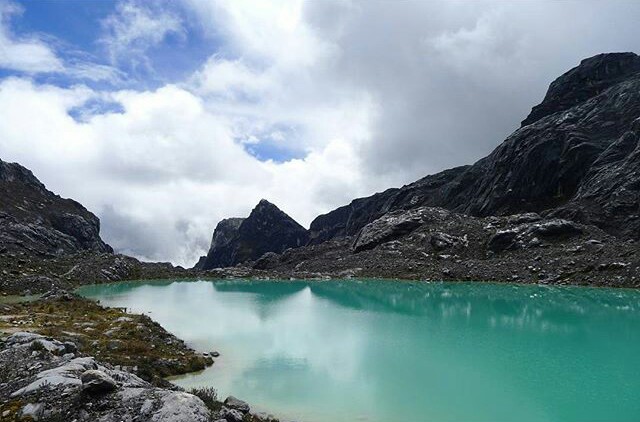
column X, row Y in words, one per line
column 394, row 225
column 237, row 404
column 440, row 241
column 181, row 407
column 230, row 415
column 556, row 228
column 97, row 382
column 32, row 411
column 530, row 234
column 502, row 240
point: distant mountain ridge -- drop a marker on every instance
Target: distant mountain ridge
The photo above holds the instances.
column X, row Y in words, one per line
column 267, row 229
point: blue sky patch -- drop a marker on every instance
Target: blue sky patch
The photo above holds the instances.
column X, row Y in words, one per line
column 74, row 29
column 95, row 107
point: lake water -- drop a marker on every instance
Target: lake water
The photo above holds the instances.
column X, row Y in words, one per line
column 383, row 351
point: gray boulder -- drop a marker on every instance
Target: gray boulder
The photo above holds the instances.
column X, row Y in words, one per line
column 530, row 234
column 235, row 403
column 230, row 415
column 441, row 241
column 181, row 407
column 394, row 225
column 97, row 382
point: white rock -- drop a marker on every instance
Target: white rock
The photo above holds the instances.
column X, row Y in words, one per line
column 181, row 407
column 64, row 375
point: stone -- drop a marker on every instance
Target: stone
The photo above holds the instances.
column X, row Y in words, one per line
column 97, row 382
column 554, row 229
column 394, row 225
column 440, row 241
column 181, row 407
column 237, row 404
column 502, row 240
column 23, row 337
column 231, row 415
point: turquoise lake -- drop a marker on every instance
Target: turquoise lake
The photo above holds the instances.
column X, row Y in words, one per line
column 385, row 351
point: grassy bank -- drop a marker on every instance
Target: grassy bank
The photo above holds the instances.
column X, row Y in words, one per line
column 135, row 342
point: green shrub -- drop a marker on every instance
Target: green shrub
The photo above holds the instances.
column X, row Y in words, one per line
column 209, row 396
column 37, row 346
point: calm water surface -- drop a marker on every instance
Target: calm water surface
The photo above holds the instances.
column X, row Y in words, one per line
column 381, row 351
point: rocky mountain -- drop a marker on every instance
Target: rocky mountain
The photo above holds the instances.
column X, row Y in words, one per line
column 575, row 156
column 267, row 229
column 39, row 222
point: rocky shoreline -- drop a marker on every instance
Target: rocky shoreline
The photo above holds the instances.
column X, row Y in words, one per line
column 66, row 358
column 44, row 379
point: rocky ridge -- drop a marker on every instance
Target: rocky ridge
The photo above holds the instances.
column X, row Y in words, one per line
column 557, row 202
column 575, row 156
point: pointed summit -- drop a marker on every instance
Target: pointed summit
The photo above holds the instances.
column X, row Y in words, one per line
column 267, row 229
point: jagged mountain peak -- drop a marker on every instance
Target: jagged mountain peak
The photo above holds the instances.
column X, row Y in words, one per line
column 266, row 229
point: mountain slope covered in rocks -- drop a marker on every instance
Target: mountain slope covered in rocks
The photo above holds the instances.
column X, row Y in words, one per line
column 575, row 156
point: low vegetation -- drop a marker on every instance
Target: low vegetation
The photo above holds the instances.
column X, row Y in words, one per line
column 135, row 342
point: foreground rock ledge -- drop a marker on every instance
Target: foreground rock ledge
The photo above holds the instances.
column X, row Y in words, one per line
column 40, row 379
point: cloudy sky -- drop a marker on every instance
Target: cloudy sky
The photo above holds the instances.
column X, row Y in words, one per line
column 165, row 117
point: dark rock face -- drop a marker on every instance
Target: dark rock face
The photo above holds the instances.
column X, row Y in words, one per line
column 267, row 229
column 36, row 221
column 576, row 157
column 593, row 76
column 220, row 251
column 349, row 219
